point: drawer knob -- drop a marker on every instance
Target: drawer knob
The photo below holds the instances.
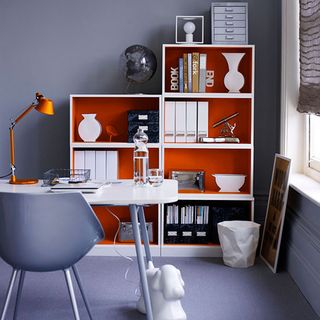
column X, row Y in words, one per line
column 229, row 16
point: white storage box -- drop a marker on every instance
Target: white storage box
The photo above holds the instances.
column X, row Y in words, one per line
column 239, row 241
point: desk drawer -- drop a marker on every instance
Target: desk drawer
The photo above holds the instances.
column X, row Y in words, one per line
column 230, row 9
column 229, row 24
column 231, row 31
column 229, row 16
column 225, row 38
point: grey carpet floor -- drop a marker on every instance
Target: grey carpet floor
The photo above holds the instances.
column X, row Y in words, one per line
column 213, row 291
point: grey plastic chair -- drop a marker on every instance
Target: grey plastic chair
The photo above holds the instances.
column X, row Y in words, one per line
column 46, row 232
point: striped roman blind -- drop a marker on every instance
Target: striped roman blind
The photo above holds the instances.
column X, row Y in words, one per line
column 309, row 92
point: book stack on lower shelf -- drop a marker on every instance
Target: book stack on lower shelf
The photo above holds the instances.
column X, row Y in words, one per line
column 187, row 224
column 195, row 222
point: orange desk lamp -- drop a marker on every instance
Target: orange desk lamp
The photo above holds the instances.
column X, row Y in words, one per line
column 41, row 104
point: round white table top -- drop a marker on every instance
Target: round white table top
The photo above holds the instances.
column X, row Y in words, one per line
column 122, row 192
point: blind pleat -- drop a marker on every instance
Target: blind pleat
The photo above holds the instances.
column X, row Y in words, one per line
column 309, row 92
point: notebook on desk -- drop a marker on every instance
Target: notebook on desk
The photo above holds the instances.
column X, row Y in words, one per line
column 85, row 187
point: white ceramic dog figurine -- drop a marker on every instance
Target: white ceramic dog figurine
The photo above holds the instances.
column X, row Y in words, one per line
column 166, row 290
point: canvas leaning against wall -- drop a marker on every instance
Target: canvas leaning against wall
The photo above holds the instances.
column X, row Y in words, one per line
column 276, row 209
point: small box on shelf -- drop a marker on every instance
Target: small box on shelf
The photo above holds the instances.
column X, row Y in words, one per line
column 126, row 232
column 148, row 120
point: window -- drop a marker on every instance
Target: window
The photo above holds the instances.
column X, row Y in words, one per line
column 314, row 143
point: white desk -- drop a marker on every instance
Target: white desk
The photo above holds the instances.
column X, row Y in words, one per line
column 122, row 194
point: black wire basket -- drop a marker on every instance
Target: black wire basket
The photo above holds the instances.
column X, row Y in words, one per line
column 55, row 176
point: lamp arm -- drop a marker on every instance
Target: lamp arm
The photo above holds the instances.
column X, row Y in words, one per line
column 12, row 125
column 12, row 150
column 22, row 115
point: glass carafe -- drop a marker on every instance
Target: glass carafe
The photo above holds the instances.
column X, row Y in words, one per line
column 140, row 158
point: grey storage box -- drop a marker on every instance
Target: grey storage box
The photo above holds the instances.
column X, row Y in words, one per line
column 148, row 120
column 229, row 23
column 151, row 129
column 126, row 232
column 143, row 116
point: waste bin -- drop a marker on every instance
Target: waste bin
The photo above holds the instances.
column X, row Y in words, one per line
column 239, row 241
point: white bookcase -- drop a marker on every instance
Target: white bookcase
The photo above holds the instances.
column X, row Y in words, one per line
column 212, row 158
column 112, row 110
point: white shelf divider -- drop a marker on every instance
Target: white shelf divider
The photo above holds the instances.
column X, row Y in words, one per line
column 107, row 145
column 207, row 145
column 216, row 196
column 208, row 95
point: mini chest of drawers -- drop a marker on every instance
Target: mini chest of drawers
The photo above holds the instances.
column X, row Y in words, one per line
column 229, row 23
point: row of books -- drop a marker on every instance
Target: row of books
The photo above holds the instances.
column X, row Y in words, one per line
column 103, row 164
column 192, row 72
column 185, row 121
column 187, row 214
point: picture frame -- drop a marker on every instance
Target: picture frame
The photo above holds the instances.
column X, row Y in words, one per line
column 195, row 29
column 275, row 215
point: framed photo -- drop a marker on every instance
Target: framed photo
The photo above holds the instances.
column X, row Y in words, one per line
column 276, row 209
column 189, row 29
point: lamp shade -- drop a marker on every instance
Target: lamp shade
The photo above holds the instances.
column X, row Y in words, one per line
column 44, row 105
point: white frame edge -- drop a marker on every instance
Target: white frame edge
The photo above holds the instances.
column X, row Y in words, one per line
column 202, row 30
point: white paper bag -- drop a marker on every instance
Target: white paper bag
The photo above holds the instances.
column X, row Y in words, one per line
column 239, row 241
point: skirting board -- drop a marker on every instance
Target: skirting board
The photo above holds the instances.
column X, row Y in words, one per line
column 165, row 251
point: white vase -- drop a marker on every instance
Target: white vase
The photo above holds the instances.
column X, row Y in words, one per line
column 89, row 128
column 233, row 80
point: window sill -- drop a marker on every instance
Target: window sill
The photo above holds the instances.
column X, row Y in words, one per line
column 306, row 186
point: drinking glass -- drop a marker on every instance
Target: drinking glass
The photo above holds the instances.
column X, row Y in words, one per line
column 155, row 177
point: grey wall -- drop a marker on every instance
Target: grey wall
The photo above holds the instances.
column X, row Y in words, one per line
column 62, row 47
column 301, row 246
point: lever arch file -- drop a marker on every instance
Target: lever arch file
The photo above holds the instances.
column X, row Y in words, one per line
column 202, row 119
column 90, row 162
column 79, row 159
column 191, row 121
column 112, row 165
column 169, row 121
column 101, row 165
column 181, row 121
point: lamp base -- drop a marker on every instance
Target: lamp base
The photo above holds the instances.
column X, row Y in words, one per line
column 14, row 180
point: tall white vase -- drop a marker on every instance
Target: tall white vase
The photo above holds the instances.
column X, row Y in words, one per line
column 89, row 128
column 233, row 80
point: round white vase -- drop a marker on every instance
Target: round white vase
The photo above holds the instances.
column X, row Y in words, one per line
column 89, row 128
column 233, row 80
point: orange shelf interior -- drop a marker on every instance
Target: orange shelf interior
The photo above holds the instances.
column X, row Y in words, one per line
column 109, row 111
column 222, row 108
column 125, row 158
column 215, row 62
column 211, row 161
column 110, row 224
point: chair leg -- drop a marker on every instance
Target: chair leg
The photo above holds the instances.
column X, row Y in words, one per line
column 71, row 294
column 18, row 298
column 9, row 292
column 77, row 276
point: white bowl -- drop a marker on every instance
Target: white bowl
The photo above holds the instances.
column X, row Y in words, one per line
column 229, row 182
